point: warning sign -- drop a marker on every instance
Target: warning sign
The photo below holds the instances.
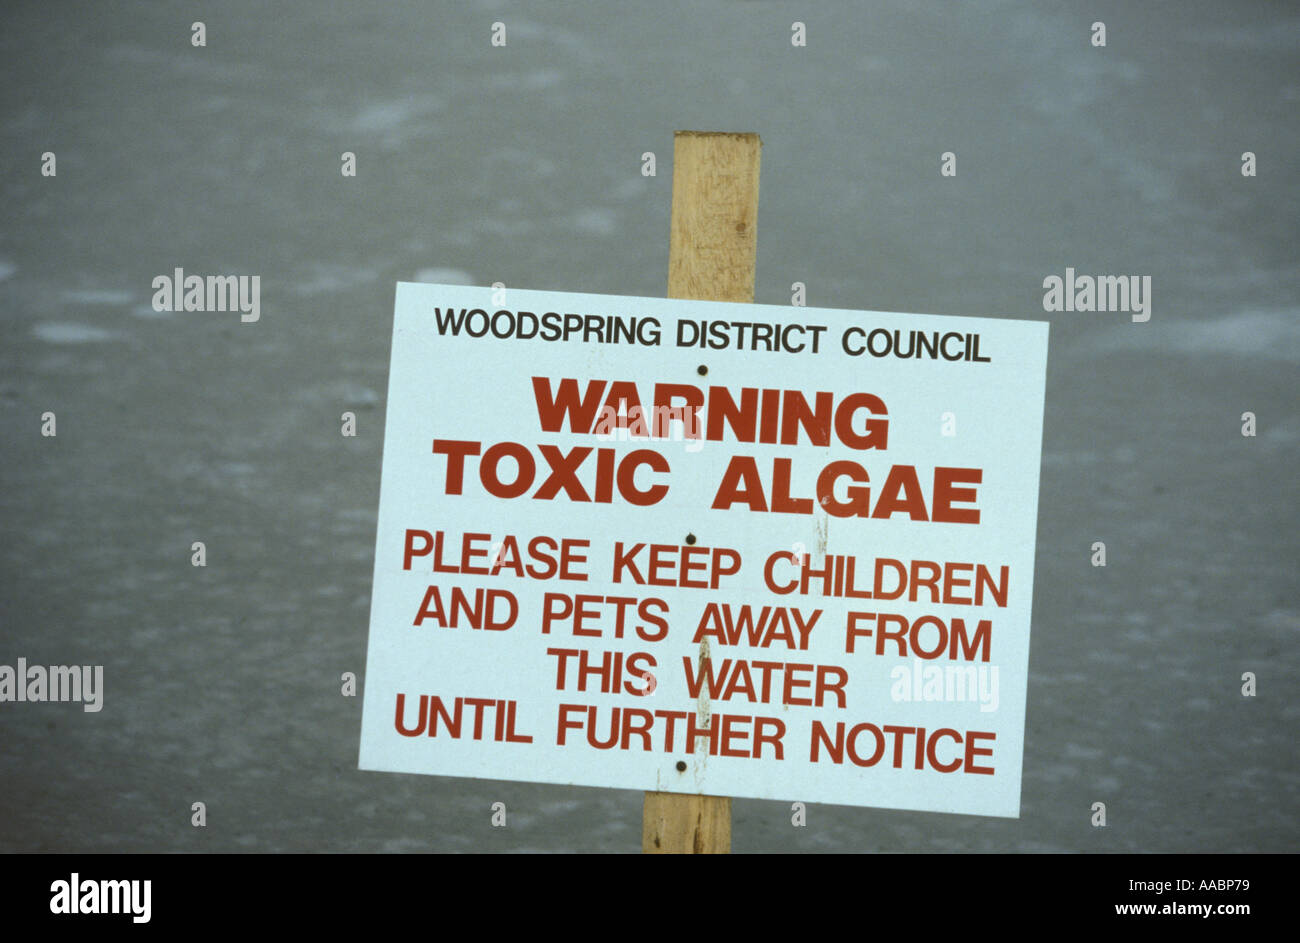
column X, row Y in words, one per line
column 700, row 547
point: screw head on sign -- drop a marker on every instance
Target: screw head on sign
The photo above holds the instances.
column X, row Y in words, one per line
column 681, row 766
column 690, row 538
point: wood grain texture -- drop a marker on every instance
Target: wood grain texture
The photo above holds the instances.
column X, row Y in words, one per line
column 674, row 824
column 712, row 244
column 714, row 230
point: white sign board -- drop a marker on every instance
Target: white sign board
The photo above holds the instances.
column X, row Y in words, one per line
column 701, row 547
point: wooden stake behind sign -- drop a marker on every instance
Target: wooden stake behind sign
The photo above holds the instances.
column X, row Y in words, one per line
column 711, row 252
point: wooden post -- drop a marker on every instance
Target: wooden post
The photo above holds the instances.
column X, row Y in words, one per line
column 712, row 245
